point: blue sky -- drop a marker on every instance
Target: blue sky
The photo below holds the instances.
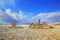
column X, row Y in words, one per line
column 28, row 11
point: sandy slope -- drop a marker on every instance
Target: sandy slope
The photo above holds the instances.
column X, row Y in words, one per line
column 57, row 30
column 28, row 34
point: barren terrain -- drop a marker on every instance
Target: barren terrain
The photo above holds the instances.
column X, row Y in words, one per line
column 26, row 33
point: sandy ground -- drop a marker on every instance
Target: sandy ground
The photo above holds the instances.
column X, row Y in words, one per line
column 57, row 30
column 7, row 33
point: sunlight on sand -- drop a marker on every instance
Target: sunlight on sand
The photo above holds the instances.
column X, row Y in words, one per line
column 7, row 33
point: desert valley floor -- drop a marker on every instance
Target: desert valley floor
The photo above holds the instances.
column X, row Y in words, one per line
column 26, row 33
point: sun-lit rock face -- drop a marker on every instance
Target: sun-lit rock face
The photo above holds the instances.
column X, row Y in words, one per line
column 38, row 22
column 35, row 25
column 32, row 25
column 14, row 24
column 39, row 25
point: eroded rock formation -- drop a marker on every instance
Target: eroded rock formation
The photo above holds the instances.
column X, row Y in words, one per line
column 39, row 25
column 14, row 24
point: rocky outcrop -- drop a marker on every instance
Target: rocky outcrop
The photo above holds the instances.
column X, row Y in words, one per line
column 14, row 24
column 39, row 25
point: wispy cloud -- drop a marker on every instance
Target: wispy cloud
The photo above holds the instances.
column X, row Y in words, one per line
column 21, row 16
column 15, row 15
column 6, row 3
column 10, row 13
column 46, row 16
column 9, row 16
column 52, row 14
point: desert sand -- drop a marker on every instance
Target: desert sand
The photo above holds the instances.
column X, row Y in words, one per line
column 26, row 33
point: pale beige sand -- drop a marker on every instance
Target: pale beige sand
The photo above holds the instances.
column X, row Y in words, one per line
column 29, row 34
column 57, row 30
